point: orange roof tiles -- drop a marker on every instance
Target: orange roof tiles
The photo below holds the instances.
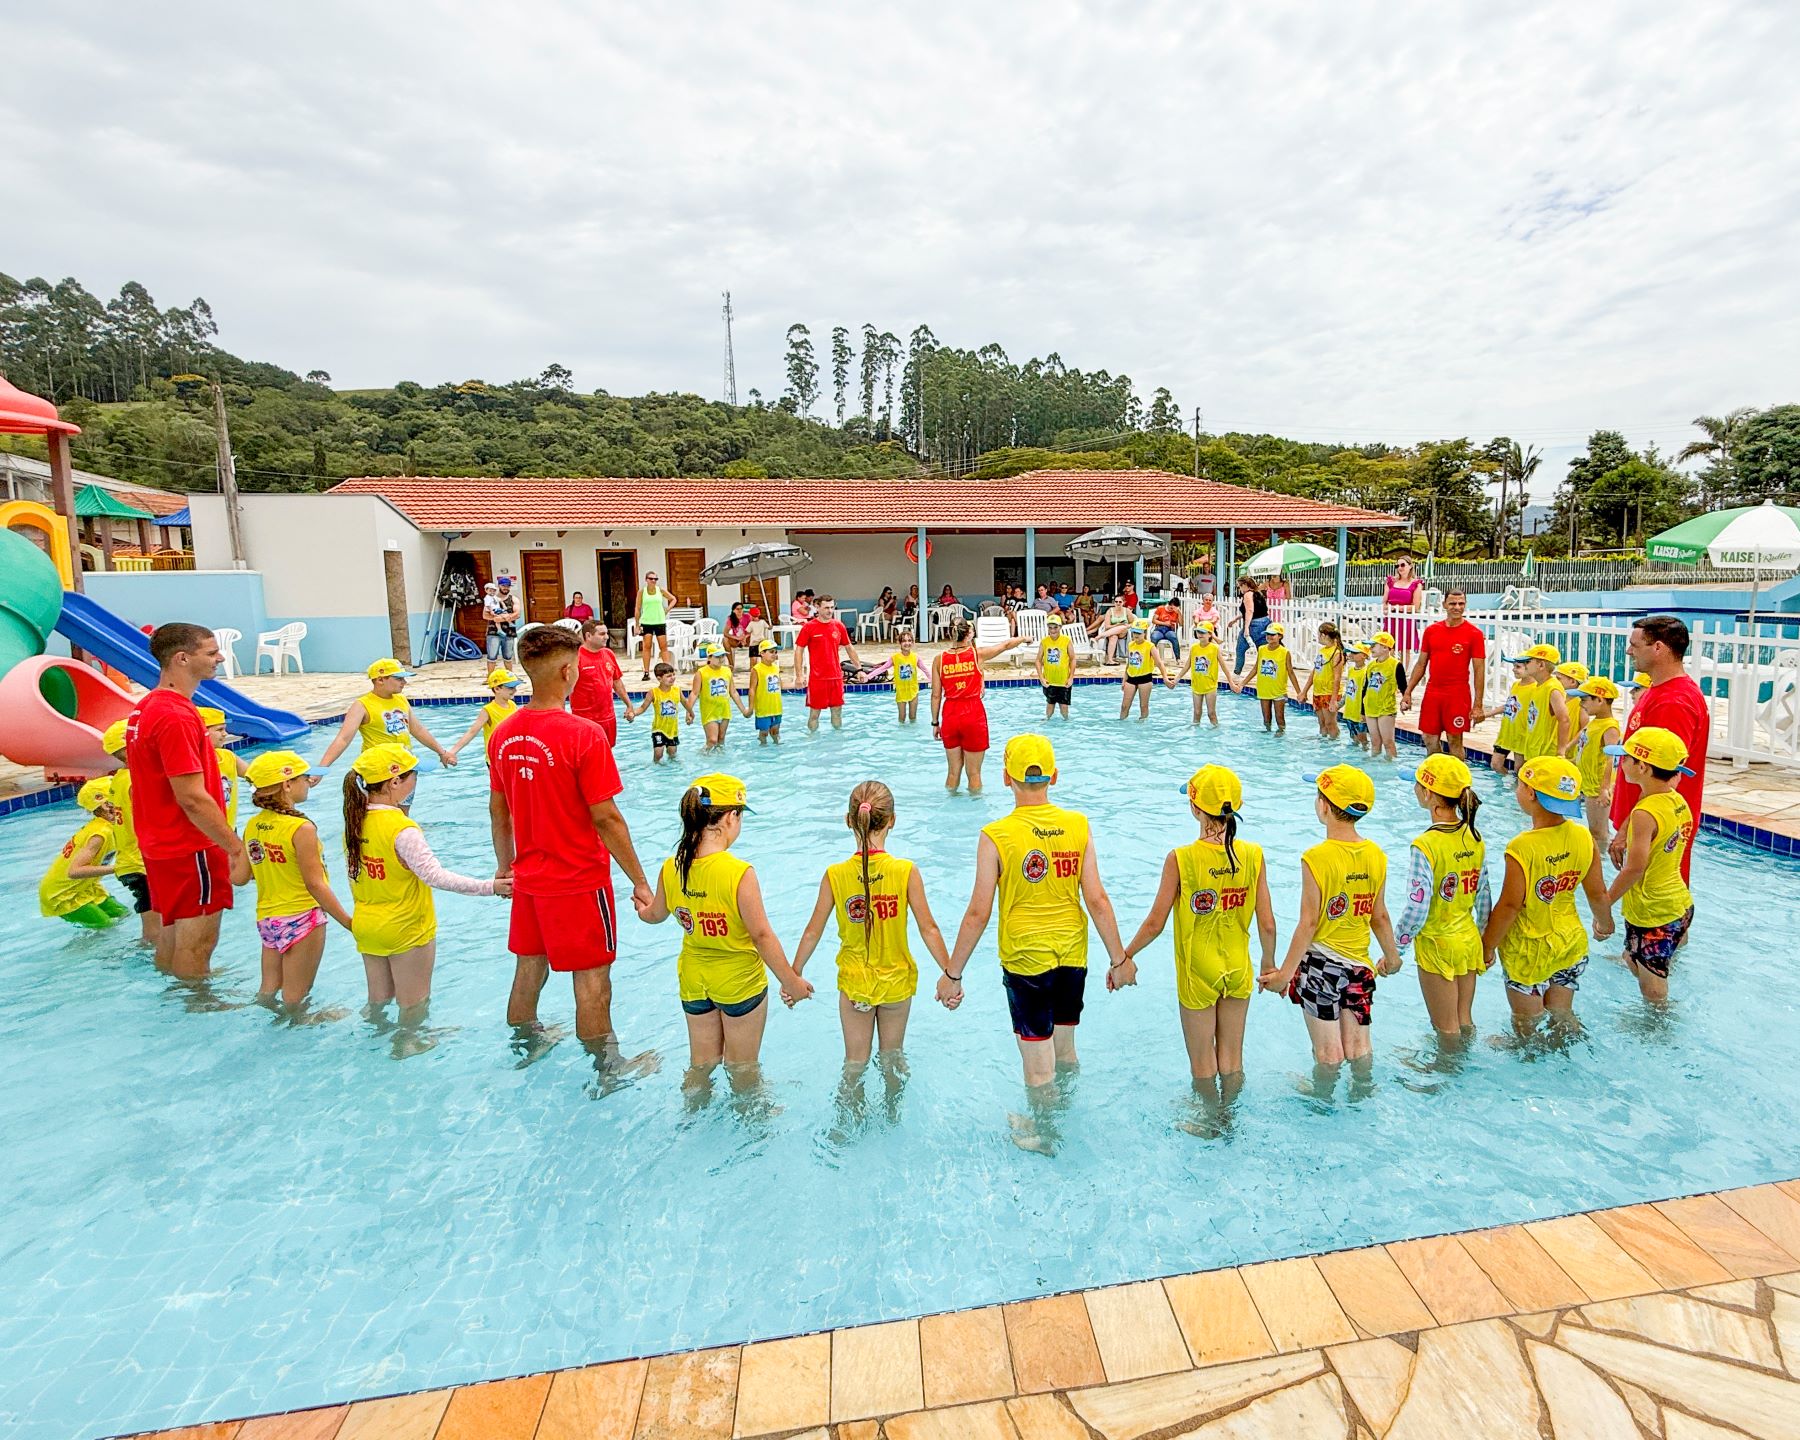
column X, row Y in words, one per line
column 1046, row 499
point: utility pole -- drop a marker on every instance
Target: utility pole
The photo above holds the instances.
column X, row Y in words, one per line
column 228, row 481
column 1196, row 442
column 730, row 362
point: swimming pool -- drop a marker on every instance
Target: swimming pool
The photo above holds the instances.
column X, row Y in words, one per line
column 211, row 1214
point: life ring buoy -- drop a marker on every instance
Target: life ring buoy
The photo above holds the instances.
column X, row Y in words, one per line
column 912, row 548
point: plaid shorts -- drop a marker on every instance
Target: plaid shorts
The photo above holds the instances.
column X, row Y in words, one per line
column 1569, row 979
column 1326, row 988
column 1653, row 947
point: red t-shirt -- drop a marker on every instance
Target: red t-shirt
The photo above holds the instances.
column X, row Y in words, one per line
column 551, row 766
column 1450, row 649
column 1678, row 707
column 165, row 737
column 821, row 640
column 594, row 693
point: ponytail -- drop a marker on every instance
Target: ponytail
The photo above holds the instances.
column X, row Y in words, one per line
column 269, row 798
column 961, row 632
column 356, row 810
column 697, row 817
column 1467, row 804
column 871, row 809
column 1227, row 819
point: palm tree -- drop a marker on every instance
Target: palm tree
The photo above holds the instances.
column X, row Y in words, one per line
column 1722, row 433
column 1515, row 470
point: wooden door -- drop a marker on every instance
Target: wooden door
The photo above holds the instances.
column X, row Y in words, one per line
column 470, row 622
column 682, row 577
column 769, row 599
column 617, row 570
column 543, row 585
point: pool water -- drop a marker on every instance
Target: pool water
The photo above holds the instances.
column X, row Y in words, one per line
column 211, row 1213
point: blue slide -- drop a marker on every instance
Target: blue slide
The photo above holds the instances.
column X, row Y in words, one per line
column 105, row 636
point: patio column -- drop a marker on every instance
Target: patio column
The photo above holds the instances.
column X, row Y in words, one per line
column 1138, row 585
column 1031, row 562
column 1343, row 558
column 1219, row 565
column 923, row 618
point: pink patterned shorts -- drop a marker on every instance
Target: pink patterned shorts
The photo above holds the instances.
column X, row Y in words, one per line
column 282, row 933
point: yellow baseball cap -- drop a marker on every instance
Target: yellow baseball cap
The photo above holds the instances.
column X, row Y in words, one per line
column 274, row 768
column 1549, row 654
column 114, row 739
column 1556, row 782
column 722, row 791
column 1347, row 788
column 1030, row 759
column 95, row 793
column 1598, row 687
column 1357, row 647
column 1054, row 622
column 1655, row 746
column 210, row 717
column 1142, row 624
column 771, row 645
column 384, row 762
column 1573, row 670
column 1640, row 681
column 1207, row 627
column 1276, row 629
column 1444, row 775
column 497, row 678
column 389, row 670
column 1382, row 637
column 1215, row 790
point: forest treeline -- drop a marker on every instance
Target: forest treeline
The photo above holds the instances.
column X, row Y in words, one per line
column 137, row 378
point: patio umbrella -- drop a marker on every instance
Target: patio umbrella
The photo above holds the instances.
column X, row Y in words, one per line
column 1762, row 539
column 758, row 561
column 1115, row 542
column 1428, row 571
column 1289, row 557
column 1529, row 569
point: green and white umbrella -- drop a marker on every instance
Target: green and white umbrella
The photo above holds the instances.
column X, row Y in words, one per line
column 1761, row 539
column 1428, row 571
column 1529, row 569
column 1290, row 557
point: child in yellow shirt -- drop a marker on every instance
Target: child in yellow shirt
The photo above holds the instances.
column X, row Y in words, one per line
column 1203, row 672
column 1328, row 680
column 1588, row 750
column 503, row 685
column 1657, row 905
column 765, row 693
column 665, row 702
column 293, row 895
column 1056, row 667
column 231, row 764
column 1447, row 896
column 1381, row 694
column 71, row 888
column 1356, row 671
column 906, row 680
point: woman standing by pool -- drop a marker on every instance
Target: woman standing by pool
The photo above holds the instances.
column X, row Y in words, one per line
column 958, row 715
column 652, row 611
column 1405, row 591
column 1253, row 618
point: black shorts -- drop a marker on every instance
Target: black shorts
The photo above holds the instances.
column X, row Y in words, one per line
column 1057, row 694
column 1327, row 989
column 1039, row 1003
column 653, row 629
column 741, row 1007
column 1140, row 679
column 660, row 741
column 139, row 886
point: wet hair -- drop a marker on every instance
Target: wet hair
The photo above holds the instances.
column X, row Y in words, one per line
column 1227, row 817
column 547, row 642
column 1660, row 772
column 269, row 798
column 1341, row 812
column 871, row 809
column 356, row 811
column 168, row 641
column 1467, row 804
column 1668, row 630
column 697, row 817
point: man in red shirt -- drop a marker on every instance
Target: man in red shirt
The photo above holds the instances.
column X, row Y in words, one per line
column 1448, row 649
column 598, row 680
column 816, row 662
column 192, row 857
column 1658, row 646
column 556, row 832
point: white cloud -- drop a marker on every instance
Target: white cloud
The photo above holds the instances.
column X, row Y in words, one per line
column 1363, row 221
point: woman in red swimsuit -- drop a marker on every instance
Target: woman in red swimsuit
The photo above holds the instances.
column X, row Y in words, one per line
column 958, row 717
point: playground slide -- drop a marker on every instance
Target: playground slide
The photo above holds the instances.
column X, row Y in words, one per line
column 127, row 649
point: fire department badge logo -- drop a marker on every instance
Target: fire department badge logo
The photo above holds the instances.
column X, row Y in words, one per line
column 1204, row 902
column 1337, row 907
column 1035, row 866
column 856, row 910
column 684, row 917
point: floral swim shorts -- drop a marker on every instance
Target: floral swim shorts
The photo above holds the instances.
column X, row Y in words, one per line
column 282, row 933
column 1653, row 947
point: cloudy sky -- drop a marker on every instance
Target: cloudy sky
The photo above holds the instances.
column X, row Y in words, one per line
column 1350, row 222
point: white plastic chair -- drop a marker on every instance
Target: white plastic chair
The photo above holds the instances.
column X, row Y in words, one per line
column 944, row 616
column 992, row 630
column 706, row 628
column 280, row 646
column 1081, row 644
column 869, row 626
column 228, row 662
column 1032, row 627
column 681, row 645
column 685, row 614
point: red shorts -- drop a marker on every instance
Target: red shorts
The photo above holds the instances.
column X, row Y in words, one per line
column 825, row 691
column 963, row 725
column 185, row 887
column 1445, row 710
column 607, row 719
column 573, row 932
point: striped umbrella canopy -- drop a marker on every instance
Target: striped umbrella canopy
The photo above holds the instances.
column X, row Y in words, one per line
column 1115, row 542
column 1289, row 557
column 1761, row 539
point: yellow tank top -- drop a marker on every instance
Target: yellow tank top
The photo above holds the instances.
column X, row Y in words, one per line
column 1272, row 668
column 718, row 959
column 385, row 721
column 393, row 910
column 1140, row 660
column 130, row 859
column 1457, row 860
column 493, row 715
column 1328, row 671
column 665, row 711
column 275, row 865
column 1214, row 909
column 906, row 677
column 1203, row 668
column 1512, row 717
column 228, row 773
column 1661, row 895
column 58, row 893
column 1349, row 874
column 1042, row 924
column 1548, row 934
column 1537, row 721
column 1594, row 762
column 875, row 964
column 1353, row 691
column 712, row 687
column 765, row 685
column 1059, row 659
column 1380, row 691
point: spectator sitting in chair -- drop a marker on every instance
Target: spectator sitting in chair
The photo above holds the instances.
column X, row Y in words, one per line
column 946, row 596
column 1165, row 624
column 1046, row 601
column 1087, row 609
column 1115, row 629
column 736, row 626
column 801, row 609
column 1065, row 599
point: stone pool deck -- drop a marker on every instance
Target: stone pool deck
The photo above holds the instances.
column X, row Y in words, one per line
column 1670, row 1321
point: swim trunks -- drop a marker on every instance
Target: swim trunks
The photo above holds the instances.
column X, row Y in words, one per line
column 1445, row 709
column 963, row 725
column 1653, row 947
column 1569, row 979
column 734, row 1010
column 573, row 932
column 1057, row 694
column 1041, row 1002
column 139, row 886
column 1327, row 989
column 189, row 886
